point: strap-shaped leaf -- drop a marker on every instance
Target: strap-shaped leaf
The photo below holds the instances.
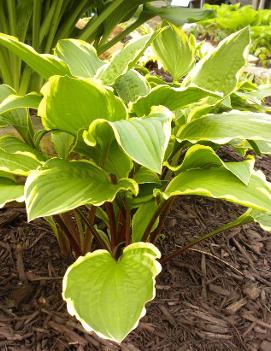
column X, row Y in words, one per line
column 60, row 186
column 176, row 14
column 44, row 64
column 174, row 51
column 125, row 59
column 220, row 183
column 225, row 127
column 109, row 296
column 131, row 86
column 200, row 156
column 143, row 139
column 219, row 70
column 172, row 98
column 80, row 56
column 71, row 104
column 10, row 191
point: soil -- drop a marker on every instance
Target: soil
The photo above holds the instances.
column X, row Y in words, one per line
column 215, row 297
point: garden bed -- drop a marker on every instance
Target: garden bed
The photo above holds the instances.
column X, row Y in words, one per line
column 215, row 297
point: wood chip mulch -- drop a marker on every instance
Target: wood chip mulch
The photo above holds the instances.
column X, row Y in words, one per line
column 216, row 297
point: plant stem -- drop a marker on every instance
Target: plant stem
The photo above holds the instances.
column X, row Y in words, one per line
column 88, row 236
column 61, row 238
column 127, row 224
column 243, row 219
column 92, row 229
column 71, row 239
column 157, row 213
column 112, row 224
column 154, row 236
column 94, row 23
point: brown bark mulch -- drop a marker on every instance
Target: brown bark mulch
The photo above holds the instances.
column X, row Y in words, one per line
column 216, row 296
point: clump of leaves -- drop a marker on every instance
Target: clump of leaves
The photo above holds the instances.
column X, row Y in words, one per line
column 41, row 23
column 126, row 145
column 230, row 18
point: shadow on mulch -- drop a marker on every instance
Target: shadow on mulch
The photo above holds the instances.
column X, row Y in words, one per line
column 215, row 297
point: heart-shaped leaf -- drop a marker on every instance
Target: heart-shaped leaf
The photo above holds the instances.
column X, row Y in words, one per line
column 108, row 296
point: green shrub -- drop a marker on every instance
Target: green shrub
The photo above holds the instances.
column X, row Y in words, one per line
column 123, row 152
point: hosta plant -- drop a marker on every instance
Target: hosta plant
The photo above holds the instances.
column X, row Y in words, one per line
column 124, row 147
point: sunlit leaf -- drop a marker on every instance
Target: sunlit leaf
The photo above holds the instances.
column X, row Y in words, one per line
column 109, row 296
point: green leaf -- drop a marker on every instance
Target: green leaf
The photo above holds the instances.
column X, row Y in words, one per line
column 172, row 98
column 200, row 156
column 14, row 145
column 106, row 152
column 219, row 183
column 80, row 56
column 145, row 140
column 117, row 161
column 109, row 296
column 131, row 86
column 5, row 91
column 219, row 70
column 44, row 64
column 142, row 218
column 125, row 59
column 10, row 191
column 17, row 163
column 12, row 102
column 178, row 15
column 222, row 128
column 144, row 175
column 263, row 219
column 60, row 186
column 18, row 118
column 264, row 147
column 174, row 51
column 63, row 143
column 71, row 104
